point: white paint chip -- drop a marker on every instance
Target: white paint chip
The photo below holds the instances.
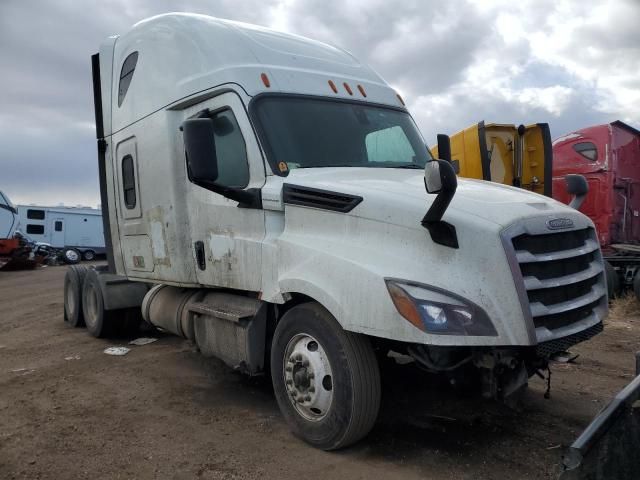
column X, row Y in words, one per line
column 117, row 351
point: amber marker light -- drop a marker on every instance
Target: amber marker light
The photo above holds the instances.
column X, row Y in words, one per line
column 405, row 306
column 333, row 86
column 348, row 88
column 265, row 80
column 364, row 94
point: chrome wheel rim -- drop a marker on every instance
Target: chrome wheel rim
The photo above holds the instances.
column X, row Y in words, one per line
column 308, row 377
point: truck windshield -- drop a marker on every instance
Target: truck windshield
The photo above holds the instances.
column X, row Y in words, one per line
column 307, row 133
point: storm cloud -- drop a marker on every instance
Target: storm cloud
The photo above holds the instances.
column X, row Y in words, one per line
column 455, row 63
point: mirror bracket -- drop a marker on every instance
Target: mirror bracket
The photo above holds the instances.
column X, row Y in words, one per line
column 442, row 233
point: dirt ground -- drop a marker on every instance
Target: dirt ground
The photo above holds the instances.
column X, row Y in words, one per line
column 68, row 411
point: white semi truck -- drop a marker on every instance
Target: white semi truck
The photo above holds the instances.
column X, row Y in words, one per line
column 264, row 196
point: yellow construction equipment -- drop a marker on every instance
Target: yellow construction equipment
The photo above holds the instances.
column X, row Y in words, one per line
column 512, row 155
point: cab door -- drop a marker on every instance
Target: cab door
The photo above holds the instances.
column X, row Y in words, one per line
column 226, row 237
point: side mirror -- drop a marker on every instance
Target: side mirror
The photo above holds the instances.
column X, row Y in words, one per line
column 444, row 147
column 578, row 187
column 200, row 146
column 440, row 179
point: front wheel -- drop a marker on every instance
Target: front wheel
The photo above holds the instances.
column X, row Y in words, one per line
column 326, row 380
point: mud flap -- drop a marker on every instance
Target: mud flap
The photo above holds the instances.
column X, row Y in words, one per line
column 609, row 448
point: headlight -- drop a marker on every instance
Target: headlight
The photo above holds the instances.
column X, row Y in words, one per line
column 437, row 311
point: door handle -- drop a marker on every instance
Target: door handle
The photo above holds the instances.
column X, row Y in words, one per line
column 199, row 248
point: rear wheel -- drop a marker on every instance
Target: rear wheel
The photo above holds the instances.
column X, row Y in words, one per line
column 326, row 380
column 88, row 255
column 73, row 281
column 100, row 322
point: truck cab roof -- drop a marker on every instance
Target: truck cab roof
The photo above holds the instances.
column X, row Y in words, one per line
column 174, row 57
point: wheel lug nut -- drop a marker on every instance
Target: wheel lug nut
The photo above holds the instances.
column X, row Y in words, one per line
column 288, row 368
column 289, row 381
column 311, row 375
column 312, row 389
column 308, row 398
column 299, row 357
column 305, row 363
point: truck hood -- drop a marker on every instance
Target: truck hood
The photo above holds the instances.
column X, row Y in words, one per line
column 398, row 196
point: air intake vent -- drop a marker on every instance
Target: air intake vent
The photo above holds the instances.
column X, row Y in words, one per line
column 317, row 198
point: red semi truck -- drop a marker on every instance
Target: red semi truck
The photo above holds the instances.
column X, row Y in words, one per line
column 608, row 156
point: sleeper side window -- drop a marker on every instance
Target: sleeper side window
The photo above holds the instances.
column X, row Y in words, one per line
column 33, row 214
column 587, row 149
column 231, row 150
column 126, row 74
column 58, row 226
column 128, row 182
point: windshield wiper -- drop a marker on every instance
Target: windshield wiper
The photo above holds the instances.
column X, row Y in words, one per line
column 413, row 166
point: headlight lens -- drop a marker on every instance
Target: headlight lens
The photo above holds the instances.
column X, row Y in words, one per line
column 437, row 311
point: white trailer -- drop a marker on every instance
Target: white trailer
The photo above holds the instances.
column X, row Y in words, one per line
column 78, row 228
column 272, row 188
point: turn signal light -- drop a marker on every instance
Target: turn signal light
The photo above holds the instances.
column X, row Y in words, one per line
column 265, row 80
column 405, row 305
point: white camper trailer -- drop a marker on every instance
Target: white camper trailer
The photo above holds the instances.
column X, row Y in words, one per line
column 273, row 188
column 79, row 228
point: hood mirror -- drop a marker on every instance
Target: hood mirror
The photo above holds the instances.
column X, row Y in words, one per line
column 440, row 179
column 432, row 180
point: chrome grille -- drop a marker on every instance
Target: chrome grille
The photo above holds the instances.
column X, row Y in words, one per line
column 563, row 276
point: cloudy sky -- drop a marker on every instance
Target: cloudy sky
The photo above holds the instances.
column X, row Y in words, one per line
column 568, row 63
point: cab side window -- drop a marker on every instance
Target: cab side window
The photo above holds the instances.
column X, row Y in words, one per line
column 231, row 150
column 126, row 74
column 587, row 149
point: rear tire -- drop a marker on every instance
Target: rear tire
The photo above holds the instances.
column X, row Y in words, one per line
column 326, row 380
column 71, row 256
column 88, row 255
column 613, row 281
column 73, row 282
column 100, row 322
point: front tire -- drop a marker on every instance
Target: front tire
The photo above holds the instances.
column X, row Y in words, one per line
column 326, row 380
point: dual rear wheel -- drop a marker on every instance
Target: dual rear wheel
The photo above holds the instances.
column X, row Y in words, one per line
column 84, row 305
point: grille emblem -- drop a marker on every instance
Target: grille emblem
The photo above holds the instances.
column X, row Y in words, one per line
column 559, row 223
